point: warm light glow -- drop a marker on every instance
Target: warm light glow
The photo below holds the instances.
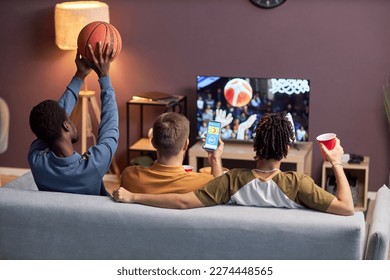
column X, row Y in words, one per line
column 71, row 17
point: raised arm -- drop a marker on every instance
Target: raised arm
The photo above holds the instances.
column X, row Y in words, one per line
column 108, row 135
column 215, row 160
column 343, row 203
column 169, row 200
column 69, row 99
column 244, row 126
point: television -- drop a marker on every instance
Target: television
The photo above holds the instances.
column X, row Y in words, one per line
column 247, row 100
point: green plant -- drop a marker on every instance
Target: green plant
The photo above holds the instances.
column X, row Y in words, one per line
column 386, row 92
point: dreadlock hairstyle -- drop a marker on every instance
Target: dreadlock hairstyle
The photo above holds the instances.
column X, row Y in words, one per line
column 46, row 120
column 274, row 133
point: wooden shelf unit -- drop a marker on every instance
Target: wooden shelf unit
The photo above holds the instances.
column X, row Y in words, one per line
column 301, row 156
column 360, row 171
column 142, row 144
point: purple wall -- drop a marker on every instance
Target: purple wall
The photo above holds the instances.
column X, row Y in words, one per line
column 343, row 47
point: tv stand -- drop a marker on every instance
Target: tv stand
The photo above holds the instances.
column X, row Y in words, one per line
column 301, row 155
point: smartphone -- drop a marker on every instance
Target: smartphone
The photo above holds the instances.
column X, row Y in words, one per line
column 212, row 136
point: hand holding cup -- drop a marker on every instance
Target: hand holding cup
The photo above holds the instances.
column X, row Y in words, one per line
column 333, row 155
column 328, row 140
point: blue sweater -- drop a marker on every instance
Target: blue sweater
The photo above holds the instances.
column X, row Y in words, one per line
column 80, row 174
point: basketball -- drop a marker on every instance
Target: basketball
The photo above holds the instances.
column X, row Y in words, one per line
column 238, row 92
column 97, row 31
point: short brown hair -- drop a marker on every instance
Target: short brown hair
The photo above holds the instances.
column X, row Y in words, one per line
column 170, row 131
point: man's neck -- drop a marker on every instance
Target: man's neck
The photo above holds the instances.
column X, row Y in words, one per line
column 62, row 148
column 171, row 161
column 265, row 164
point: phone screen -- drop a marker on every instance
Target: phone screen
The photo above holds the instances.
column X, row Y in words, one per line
column 212, row 137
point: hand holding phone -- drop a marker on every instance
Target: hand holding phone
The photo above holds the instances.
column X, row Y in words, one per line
column 212, row 136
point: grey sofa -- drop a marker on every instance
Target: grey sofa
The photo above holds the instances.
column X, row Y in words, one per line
column 47, row 225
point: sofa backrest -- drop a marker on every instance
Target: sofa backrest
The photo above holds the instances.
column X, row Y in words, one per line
column 379, row 233
column 49, row 225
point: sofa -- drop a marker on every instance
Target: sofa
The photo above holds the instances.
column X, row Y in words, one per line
column 51, row 226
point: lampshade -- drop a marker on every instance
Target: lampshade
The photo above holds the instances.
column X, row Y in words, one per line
column 71, row 17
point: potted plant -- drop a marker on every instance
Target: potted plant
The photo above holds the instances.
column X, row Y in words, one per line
column 386, row 92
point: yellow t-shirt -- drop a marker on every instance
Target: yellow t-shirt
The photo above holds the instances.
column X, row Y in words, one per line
column 160, row 178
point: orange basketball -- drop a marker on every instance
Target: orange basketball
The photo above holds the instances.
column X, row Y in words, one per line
column 238, row 92
column 97, row 31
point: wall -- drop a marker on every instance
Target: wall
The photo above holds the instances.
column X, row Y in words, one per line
column 341, row 46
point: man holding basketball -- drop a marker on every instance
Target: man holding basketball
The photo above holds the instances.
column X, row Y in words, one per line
column 52, row 159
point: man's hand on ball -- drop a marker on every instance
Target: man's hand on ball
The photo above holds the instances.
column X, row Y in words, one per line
column 101, row 63
column 83, row 66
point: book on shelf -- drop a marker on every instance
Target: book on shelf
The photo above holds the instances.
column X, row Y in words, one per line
column 155, row 97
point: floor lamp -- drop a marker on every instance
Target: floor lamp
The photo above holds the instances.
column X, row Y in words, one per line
column 4, row 127
column 70, row 18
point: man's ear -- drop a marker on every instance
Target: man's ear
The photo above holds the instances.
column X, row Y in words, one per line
column 186, row 144
column 152, row 141
column 65, row 125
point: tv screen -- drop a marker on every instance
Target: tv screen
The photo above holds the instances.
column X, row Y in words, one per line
column 247, row 100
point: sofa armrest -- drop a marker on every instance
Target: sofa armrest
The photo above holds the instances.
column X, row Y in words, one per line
column 24, row 182
column 378, row 237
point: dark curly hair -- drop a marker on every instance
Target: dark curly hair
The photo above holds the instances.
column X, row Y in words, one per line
column 46, row 120
column 274, row 133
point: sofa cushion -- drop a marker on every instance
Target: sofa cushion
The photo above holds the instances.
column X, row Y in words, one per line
column 379, row 233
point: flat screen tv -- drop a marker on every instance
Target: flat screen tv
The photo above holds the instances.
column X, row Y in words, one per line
column 248, row 99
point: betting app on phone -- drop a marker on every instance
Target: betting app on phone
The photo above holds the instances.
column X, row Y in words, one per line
column 212, row 137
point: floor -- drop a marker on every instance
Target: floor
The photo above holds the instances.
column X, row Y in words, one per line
column 4, row 179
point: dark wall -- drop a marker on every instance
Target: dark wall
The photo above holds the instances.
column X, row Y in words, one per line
column 342, row 46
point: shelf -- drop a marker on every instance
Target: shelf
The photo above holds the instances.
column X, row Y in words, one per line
column 174, row 103
column 142, row 144
column 360, row 171
column 175, row 99
column 301, row 156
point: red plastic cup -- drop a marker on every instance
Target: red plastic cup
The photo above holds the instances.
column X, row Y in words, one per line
column 329, row 140
column 188, row 168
